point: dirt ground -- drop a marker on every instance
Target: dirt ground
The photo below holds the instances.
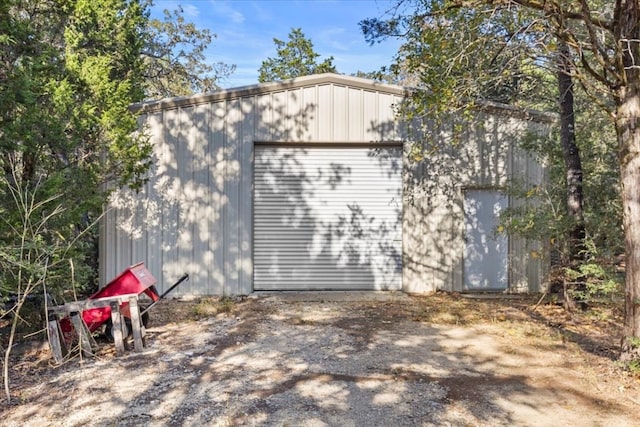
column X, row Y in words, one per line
column 341, row 359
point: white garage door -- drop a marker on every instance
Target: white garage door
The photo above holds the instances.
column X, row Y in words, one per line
column 327, row 218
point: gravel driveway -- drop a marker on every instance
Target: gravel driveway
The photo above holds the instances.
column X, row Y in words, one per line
column 332, row 360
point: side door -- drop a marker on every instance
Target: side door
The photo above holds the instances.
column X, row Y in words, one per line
column 485, row 252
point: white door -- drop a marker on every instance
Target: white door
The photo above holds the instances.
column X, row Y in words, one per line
column 327, row 218
column 485, row 255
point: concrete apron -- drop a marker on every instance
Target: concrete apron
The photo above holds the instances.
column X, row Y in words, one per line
column 331, row 296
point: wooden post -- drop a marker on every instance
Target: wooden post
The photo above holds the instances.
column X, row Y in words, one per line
column 116, row 330
column 84, row 337
column 55, row 343
column 136, row 323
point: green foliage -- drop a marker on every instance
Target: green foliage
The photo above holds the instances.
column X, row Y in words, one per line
column 600, row 281
column 632, row 363
column 457, row 60
column 440, row 54
column 35, row 258
column 634, row 366
column 294, row 58
column 69, row 72
column 634, row 342
column 378, row 76
column 175, row 63
column 542, row 212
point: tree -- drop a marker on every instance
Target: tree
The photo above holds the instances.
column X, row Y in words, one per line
column 378, row 76
column 68, row 73
column 294, row 58
column 571, row 155
column 30, row 257
column 174, row 60
column 603, row 41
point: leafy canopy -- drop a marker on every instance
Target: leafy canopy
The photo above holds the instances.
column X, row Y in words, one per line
column 174, row 58
column 69, row 70
column 294, row 58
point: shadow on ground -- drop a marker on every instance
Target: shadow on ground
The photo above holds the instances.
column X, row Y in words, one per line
column 286, row 361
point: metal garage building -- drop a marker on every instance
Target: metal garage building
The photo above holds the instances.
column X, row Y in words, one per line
column 309, row 184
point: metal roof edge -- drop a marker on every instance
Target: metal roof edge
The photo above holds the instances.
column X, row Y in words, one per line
column 320, row 79
column 261, row 88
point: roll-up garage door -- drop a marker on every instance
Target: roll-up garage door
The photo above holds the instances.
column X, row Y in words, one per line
column 327, row 218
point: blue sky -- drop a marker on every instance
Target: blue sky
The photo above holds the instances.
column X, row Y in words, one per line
column 245, row 30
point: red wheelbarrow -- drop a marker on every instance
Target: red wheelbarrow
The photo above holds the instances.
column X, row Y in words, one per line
column 96, row 311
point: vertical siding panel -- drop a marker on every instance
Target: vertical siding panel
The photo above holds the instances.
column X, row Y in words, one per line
column 193, row 238
column 518, row 276
column 153, row 220
column 325, row 113
column 108, row 247
column 138, row 240
column 483, row 132
column 399, row 129
column 542, row 264
column 371, row 123
column 355, row 125
column 202, row 236
column 170, row 190
column 296, row 118
column 105, row 259
column 217, row 211
column 508, row 133
column 232, row 190
column 416, row 277
column 245, row 203
column 529, row 258
column 124, row 242
column 116, row 247
column 122, row 205
column 263, row 122
column 339, row 101
column 183, row 199
column 442, row 249
column 518, row 254
column 387, row 120
column 310, row 112
column 474, row 141
column 280, row 123
column 457, row 244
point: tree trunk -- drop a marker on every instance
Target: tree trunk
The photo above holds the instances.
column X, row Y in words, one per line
column 627, row 31
column 628, row 131
column 573, row 165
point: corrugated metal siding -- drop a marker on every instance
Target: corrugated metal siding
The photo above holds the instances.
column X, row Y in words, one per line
column 327, row 218
column 529, row 259
column 195, row 213
column 484, row 157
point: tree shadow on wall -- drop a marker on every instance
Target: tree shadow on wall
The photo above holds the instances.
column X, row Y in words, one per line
column 319, row 223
